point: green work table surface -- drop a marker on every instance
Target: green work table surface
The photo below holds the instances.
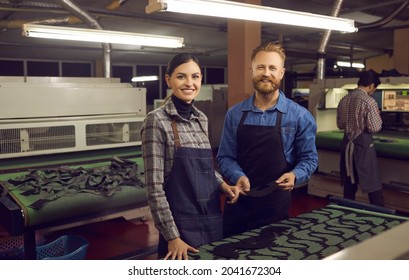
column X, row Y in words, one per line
column 387, row 144
column 74, row 205
column 308, row 236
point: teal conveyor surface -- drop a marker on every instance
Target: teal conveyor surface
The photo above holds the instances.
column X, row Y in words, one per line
column 388, row 144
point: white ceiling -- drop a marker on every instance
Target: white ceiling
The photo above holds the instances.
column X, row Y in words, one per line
column 204, row 36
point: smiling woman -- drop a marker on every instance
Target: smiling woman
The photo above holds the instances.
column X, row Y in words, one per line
column 185, row 80
column 183, row 187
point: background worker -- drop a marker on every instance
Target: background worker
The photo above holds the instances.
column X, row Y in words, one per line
column 359, row 117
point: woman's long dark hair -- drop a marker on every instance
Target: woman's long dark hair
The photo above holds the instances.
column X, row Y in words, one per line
column 177, row 60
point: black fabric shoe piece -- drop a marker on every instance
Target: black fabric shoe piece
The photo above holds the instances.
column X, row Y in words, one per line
column 259, row 193
column 264, row 191
column 272, row 231
column 255, row 242
column 16, row 182
column 30, row 192
column 122, row 161
column 37, row 205
column 227, row 250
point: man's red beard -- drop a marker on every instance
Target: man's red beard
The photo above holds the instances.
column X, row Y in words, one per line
column 266, row 88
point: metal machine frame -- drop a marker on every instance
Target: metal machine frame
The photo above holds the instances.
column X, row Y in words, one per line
column 51, row 115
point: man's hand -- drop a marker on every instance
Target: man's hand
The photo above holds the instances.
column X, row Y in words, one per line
column 286, row 181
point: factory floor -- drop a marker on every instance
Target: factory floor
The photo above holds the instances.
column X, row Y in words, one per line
column 136, row 239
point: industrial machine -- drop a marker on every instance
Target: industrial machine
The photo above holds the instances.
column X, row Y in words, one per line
column 46, row 115
column 49, row 122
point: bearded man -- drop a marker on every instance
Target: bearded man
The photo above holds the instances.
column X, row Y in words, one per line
column 267, row 146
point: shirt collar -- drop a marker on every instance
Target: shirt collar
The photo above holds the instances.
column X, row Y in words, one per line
column 280, row 106
column 360, row 90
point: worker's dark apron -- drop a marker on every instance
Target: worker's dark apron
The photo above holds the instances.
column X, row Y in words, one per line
column 359, row 161
column 193, row 195
column 261, row 156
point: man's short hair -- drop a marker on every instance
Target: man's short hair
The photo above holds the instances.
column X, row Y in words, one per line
column 366, row 78
column 269, row 47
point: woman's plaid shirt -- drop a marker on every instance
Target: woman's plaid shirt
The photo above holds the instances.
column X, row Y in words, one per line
column 158, row 149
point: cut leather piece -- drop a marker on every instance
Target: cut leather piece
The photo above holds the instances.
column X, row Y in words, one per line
column 227, row 250
column 37, row 205
column 122, row 161
column 30, row 192
column 255, row 242
column 264, row 191
column 18, row 181
column 272, row 230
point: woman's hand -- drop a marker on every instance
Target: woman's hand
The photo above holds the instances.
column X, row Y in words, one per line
column 177, row 249
column 233, row 192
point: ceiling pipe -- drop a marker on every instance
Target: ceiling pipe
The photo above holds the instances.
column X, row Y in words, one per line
column 92, row 23
column 386, row 19
column 321, row 63
column 70, row 19
column 112, row 9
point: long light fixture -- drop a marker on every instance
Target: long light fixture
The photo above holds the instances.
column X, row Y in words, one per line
column 244, row 11
column 348, row 64
column 101, row 36
column 144, row 79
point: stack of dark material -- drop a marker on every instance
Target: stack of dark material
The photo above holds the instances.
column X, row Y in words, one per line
column 54, row 183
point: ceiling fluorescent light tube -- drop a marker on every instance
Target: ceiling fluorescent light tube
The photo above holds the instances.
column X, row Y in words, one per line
column 144, row 79
column 101, row 36
column 243, row 11
column 348, row 64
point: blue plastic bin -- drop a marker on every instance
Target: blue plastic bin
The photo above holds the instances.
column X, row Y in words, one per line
column 12, row 254
column 11, row 246
column 66, row 247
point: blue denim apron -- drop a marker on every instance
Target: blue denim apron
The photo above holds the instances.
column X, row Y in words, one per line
column 193, row 194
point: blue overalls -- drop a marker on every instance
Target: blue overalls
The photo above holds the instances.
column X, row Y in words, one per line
column 261, row 156
column 193, row 194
